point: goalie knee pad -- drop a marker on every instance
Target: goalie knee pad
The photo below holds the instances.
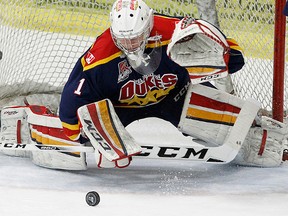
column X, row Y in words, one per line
column 14, row 129
column 263, row 145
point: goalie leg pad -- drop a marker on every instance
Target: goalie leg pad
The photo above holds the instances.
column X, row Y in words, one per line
column 59, row 160
column 209, row 114
column 105, row 131
column 14, row 129
column 264, row 145
column 46, row 129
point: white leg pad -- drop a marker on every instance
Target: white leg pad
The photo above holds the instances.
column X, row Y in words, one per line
column 105, row 131
column 58, row 160
column 14, row 129
column 209, row 114
column 47, row 130
column 263, row 145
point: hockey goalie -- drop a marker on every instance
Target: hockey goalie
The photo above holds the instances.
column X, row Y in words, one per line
column 148, row 65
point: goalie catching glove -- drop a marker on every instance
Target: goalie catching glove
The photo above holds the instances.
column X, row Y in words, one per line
column 204, row 51
column 201, row 48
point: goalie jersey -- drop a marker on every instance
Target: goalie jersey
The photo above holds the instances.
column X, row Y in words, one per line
column 103, row 72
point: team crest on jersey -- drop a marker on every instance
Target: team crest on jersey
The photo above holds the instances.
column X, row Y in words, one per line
column 124, row 70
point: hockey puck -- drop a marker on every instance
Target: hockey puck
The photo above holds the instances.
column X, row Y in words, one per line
column 92, row 198
column 1, row 54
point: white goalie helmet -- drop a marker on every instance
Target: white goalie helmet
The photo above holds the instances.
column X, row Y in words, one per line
column 131, row 23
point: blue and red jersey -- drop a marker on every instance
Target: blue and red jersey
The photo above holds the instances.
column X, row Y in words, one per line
column 103, row 72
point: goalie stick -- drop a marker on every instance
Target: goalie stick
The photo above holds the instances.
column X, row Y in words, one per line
column 194, row 152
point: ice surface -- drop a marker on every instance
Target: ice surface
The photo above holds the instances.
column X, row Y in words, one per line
column 145, row 188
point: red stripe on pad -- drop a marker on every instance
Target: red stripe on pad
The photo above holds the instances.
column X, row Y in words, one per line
column 92, row 110
column 202, row 101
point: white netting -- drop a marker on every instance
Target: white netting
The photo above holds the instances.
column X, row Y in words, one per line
column 42, row 39
column 251, row 23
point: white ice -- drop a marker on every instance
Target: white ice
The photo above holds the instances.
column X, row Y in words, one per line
column 145, row 188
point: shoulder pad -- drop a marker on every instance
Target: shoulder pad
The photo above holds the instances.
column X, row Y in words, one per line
column 102, row 51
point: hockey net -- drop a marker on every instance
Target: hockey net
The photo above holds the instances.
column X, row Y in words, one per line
column 40, row 40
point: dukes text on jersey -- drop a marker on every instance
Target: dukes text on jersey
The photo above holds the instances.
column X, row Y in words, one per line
column 148, row 90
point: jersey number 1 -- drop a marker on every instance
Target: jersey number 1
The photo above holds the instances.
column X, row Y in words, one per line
column 78, row 90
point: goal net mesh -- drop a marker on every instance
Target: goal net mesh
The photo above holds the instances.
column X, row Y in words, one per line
column 41, row 40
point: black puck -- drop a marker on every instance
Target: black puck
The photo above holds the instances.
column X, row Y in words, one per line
column 92, row 198
column 1, row 55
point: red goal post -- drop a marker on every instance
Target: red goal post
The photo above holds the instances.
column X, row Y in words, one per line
column 40, row 41
column 279, row 61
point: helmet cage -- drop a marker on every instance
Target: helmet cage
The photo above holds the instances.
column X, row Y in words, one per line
column 131, row 44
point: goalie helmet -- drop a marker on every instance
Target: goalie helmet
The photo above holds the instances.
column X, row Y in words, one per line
column 131, row 24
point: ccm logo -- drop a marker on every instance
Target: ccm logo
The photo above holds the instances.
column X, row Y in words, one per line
column 96, row 135
column 173, row 152
column 14, row 145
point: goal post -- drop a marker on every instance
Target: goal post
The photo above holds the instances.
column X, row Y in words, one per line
column 279, row 61
column 41, row 40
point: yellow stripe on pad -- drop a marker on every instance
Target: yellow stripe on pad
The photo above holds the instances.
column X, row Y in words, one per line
column 211, row 116
column 107, row 122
